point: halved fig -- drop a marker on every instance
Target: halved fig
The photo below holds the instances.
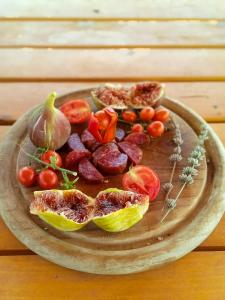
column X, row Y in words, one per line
column 117, row 210
column 111, row 95
column 66, row 210
column 146, row 94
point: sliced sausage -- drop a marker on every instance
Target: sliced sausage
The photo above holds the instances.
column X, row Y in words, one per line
column 89, row 141
column 89, row 172
column 73, row 157
column 137, row 138
column 74, row 143
column 113, row 163
column 120, row 134
column 134, row 153
column 103, row 150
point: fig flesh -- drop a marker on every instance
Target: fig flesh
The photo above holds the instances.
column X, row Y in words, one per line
column 117, row 210
column 146, row 94
column 66, row 210
column 137, row 97
column 111, row 95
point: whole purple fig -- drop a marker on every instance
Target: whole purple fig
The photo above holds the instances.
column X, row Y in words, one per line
column 48, row 127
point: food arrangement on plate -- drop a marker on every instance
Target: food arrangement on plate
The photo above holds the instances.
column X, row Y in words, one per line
column 74, row 143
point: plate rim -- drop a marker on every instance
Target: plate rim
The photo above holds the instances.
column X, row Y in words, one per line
column 150, row 256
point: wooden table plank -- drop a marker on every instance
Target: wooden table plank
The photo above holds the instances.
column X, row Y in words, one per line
column 8, row 243
column 112, row 64
column 112, row 9
column 207, row 98
column 199, row 276
column 112, row 34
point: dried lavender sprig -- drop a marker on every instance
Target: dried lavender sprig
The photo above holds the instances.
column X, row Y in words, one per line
column 175, row 157
column 189, row 172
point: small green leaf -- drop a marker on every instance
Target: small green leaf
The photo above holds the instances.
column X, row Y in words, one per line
column 53, row 161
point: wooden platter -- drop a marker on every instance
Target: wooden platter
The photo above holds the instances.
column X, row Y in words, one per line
column 148, row 244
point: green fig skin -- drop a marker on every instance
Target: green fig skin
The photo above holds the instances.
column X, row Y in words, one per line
column 48, row 126
column 100, row 104
column 56, row 219
column 60, row 222
column 124, row 218
column 116, row 221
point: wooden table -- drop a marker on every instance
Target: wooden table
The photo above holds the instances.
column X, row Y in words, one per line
column 64, row 46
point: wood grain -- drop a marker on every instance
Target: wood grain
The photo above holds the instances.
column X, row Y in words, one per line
column 109, row 64
column 112, row 34
column 199, row 276
column 146, row 254
column 207, row 98
column 216, row 240
column 106, row 9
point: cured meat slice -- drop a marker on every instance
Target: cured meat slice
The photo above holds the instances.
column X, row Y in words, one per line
column 134, row 153
column 103, row 151
column 88, row 171
column 74, row 143
column 89, row 141
column 78, row 151
column 73, row 157
column 120, row 134
column 109, row 159
column 137, row 138
column 113, row 163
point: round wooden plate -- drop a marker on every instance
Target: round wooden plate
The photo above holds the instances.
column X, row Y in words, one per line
column 149, row 243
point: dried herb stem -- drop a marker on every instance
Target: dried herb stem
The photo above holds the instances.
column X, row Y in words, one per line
column 190, row 171
column 171, row 179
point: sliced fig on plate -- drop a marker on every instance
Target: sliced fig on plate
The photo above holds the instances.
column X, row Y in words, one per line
column 66, row 210
column 117, row 210
column 146, row 94
column 111, row 95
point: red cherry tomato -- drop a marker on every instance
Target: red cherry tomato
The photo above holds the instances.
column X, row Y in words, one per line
column 147, row 114
column 47, row 179
column 103, row 119
column 137, row 128
column 27, row 176
column 77, row 110
column 46, row 157
column 155, row 129
column 161, row 114
column 143, row 180
column 129, row 115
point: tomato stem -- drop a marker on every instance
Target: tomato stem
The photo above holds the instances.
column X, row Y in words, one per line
column 49, row 165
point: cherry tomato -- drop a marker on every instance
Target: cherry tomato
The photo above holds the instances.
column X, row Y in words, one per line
column 27, row 176
column 137, row 128
column 143, row 180
column 147, row 114
column 129, row 115
column 46, row 157
column 47, row 179
column 161, row 114
column 103, row 119
column 77, row 110
column 155, row 129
